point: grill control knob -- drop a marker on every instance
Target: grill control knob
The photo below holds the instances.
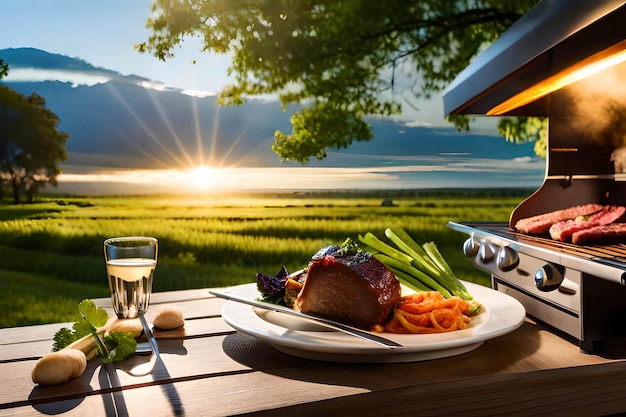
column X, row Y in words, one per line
column 507, row 259
column 487, row 252
column 549, row 277
column 470, row 247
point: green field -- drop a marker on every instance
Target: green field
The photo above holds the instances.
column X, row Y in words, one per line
column 51, row 254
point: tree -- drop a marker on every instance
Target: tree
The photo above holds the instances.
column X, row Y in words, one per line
column 4, row 69
column 524, row 129
column 341, row 59
column 31, row 147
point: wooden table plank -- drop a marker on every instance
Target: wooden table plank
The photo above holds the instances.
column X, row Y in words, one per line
column 214, row 370
column 233, row 353
column 586, row 391
column 16, row 335
column 167, row 297
column 194, row 328
column 218, row 396
column 192, row 308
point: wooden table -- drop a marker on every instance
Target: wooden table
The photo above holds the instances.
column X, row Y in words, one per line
column 216, row 371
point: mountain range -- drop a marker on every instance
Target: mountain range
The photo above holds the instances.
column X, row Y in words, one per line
column 129, row 121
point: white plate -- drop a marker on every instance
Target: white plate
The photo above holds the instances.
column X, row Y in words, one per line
column 500, row 314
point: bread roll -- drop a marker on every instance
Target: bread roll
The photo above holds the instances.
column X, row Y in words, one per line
column 58, row 367
column 169, row 318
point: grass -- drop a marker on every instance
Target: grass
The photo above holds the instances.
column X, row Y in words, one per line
column 28, row 299
column 51, row 251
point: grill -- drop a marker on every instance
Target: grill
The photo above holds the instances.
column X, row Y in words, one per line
column 564, row 60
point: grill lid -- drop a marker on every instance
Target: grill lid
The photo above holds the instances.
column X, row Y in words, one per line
column 553, row 39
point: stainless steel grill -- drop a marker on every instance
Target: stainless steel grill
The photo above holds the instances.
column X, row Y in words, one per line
column 559, row 58
column 589, row 303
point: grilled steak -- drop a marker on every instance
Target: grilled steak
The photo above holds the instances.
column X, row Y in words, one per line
column 564, row 230
column 353, row 289
column 605, row 234
column 541, row 223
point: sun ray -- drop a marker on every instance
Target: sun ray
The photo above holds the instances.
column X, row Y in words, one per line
column 142, row 150
column 166, row 120
column 250, row 122
column 142, row 124
column 199, row 142
column 249, row 157
column 214, row 135
column 233, row 146
column 207, row 152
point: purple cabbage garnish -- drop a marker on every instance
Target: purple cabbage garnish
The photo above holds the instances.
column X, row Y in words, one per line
column 272, row 288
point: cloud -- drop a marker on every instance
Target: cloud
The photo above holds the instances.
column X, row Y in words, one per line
column 152, row 85
column 92, row 77
column 38, row 75
column 418, row 124
column 198, row 93
column 205, row 179
column 525, row 159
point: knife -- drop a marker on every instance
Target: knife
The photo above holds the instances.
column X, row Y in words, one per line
column 331, row 324
column 149, row 335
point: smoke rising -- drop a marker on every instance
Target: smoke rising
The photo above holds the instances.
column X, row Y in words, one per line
column 600, row 106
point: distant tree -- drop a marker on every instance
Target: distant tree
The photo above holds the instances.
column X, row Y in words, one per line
column 4, row 69
column 31, row 147
column 341, row 59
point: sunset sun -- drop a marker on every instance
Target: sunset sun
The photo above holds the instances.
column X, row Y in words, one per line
column 202, row 177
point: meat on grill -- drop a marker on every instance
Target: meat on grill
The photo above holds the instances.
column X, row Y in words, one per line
column 353, row 289
column 564, row 230
column 605, row 234
column 541, row 223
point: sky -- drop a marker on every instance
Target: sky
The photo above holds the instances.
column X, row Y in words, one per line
column 103, row 33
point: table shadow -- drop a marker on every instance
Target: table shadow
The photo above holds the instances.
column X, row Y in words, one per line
column 45, row 399
column 492, row 357
column 62, row 398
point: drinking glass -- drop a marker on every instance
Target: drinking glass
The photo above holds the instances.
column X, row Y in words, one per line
column 130, row 264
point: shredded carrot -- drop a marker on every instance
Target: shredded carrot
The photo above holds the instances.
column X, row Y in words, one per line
column 428, row 312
